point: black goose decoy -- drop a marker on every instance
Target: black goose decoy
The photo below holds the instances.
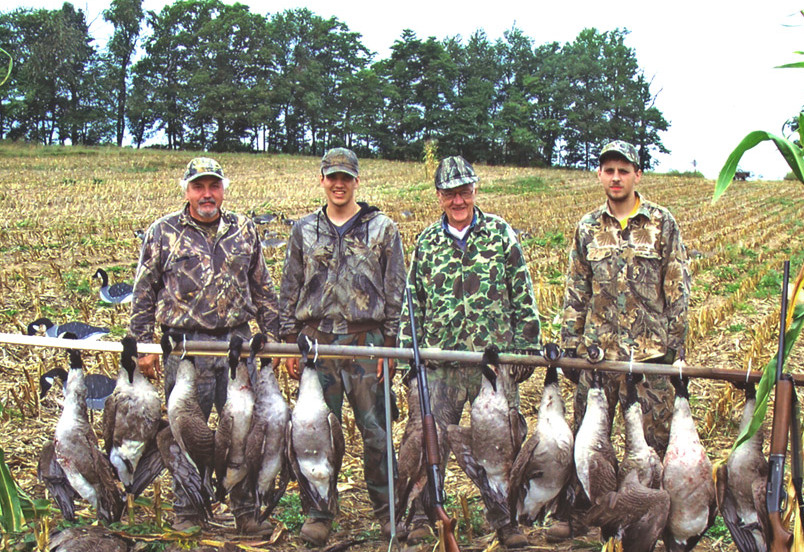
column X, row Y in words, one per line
column 76, row 448
column 79, row 329
column 486, row 450
column 687, row 478
column 50, row 473
column 544, row 464
column 741, row 484
column 639, row 456
column 131, row 418
column 268, row 469
column 99, row 386
column 234, row 423
column 265, row 218
column 315, row 442
column 116, row 293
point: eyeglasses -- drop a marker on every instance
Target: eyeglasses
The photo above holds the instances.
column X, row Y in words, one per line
column 465, row 194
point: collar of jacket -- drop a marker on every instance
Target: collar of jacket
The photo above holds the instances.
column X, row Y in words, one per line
column 479, row 224
column 226, row 219
column 365, row 210
column 643, row 208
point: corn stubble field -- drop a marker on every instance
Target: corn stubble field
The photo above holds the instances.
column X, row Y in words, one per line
column 68, row 211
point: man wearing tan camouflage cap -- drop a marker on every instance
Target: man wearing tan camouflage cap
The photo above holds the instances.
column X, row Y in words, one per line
column 628, row 287
column 202, row 273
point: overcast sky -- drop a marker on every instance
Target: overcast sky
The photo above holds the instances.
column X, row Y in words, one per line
column 712, row 63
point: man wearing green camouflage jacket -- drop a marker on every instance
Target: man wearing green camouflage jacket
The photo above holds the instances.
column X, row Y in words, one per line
column 342, row 284
column 202, row 273
column 470, row 288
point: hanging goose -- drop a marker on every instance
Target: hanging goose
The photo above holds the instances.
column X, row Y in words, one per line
column 486, row 449
column 639, row 456
column 99, row 386
column 79, row 329
column 116, row 293
column 315, row 442
column 185, row 474
column 544, row 464
column 741, row 486
column 234, row 423
column 187, row 423
column 268, row 469
column 687, row 478
column 131, row 418
column 76, row 448
column 50, row 473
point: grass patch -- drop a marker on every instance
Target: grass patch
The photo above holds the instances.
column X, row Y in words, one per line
column 526, row 185
column 735, row 328
column 289, row 512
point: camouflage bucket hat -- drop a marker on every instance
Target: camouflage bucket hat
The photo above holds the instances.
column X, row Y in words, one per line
column 453, row 172
column 624, row 149
column 339, row 160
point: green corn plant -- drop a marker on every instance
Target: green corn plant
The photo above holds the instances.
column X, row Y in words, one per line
column 12, row 519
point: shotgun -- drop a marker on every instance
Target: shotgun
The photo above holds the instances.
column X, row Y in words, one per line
column 781, row 538
column 430, row 438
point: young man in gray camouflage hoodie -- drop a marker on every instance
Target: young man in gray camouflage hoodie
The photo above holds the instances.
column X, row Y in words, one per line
column 342, row 284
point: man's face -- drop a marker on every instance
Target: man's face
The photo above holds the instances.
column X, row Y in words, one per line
column 339, row 188
column 458, row 204
column 619, row 178
column 205, row 195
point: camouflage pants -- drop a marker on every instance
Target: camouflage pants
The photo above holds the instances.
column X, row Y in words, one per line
column 211, row 382
column 357, row 379
column 451, row 387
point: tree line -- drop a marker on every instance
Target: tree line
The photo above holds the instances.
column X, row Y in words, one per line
column 201, row 74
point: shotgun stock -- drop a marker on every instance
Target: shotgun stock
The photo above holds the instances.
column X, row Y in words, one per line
column 430, row 437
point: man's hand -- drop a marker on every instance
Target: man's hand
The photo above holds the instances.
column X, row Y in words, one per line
column 292, row 366
column 150, row 366
column 391, row 368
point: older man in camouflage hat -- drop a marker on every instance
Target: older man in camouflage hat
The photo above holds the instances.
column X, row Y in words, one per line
column 627, row 295
column 470, row 288
column 342, row 284
column 202, row 273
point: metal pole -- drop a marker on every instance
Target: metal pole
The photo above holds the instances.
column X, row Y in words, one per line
column 389, row 451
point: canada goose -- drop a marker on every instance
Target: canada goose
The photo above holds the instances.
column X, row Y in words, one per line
column 638, row 455
column 131, row 418
column 595, row 460
column 268, row 468
column 116, row 293
column 99, row 386
column 486, row 450
column 76, row 447
column 687, row 477
column 315, row 442
column 79, row 329
column 234, row 423
column 185, row 474
column 741, row 484
column 187, row 422
column 544, row 464
column 50, row 473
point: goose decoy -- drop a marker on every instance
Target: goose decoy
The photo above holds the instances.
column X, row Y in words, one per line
column 234, row 423
column 99, row 386
column 76, row 448
column 265, row 218
column 116, row 293
column 544, row 464
column 187, row 422
column 487, row 448
column 595, row 460
column 139, row 233
column 131, row 418
column 687, row 478
column 741, row 484
column 78, row 329
column 88, row 538
column 315, row 443
column 639, row 456
column 268, row 469
column 50, row 473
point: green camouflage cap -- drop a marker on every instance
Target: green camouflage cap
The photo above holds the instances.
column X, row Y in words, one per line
column 453, row 172
column 624, row 149
column 202, row 166
column 339, row 160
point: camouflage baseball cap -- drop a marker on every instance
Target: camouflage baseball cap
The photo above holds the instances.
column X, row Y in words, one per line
column 453, row 172
column 339, row 160
column 623, row 149
column 202, row 166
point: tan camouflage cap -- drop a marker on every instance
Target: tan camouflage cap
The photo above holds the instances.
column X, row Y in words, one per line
column 339, row 160
column 203, row 166
column 623, row 149
column 453, row 172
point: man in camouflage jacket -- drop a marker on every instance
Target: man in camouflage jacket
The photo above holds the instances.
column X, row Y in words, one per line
column 202, row 273
column 627, row 294
column 470, row 288
column 342, row 284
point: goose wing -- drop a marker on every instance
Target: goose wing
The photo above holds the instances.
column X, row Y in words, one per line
column 184, row 473
column 335, row 458
column 50, row 473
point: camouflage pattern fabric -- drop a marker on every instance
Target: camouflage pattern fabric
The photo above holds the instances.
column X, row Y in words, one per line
column 332, row 282
column 357, row 379
column 627, row 290
column 185, row 280
column 466, row 299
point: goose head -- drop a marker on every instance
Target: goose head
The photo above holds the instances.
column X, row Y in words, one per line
column 128, row 358
column 102, row 276
column 256, row 344
column 631, row 381
column 46, row 380
column 38, row 324
column 235, row 350
column 680, row 385
column 305, row 346
column 490, row 362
